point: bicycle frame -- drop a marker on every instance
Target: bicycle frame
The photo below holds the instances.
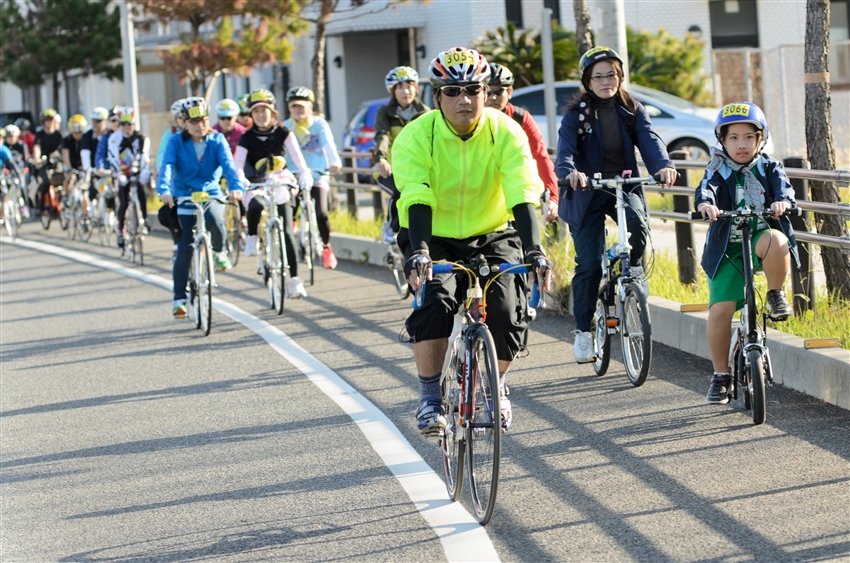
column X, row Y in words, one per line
column 201, row 232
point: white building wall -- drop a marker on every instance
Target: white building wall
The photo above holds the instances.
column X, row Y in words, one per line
column 11, row 98
column 781, row 22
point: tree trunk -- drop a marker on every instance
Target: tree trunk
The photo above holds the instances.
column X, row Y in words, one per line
column 582, row 14
column 318, row 65
column 821, row 151
column 56, row 92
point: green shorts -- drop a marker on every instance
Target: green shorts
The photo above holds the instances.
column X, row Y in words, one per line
column 728, row 282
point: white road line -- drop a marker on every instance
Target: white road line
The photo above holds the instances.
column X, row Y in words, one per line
column 463, row 539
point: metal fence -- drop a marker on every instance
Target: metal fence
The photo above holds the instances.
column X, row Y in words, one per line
column 796, row 169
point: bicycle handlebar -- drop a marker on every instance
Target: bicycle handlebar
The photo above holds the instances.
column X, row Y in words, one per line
column 697, row 215
column 598, row 183
column 536, row 296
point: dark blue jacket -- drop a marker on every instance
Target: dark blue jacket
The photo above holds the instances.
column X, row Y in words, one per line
column 587, row 156
column 719, row 190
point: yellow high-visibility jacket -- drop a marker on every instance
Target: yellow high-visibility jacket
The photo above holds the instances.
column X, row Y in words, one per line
column 471, row 186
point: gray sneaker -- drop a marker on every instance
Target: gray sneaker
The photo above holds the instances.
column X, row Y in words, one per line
column 718, row 391
column 583, row 348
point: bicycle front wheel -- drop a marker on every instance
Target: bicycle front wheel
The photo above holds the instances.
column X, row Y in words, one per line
column 233, row 218
column 139, row 233
column 205, row 287
column 64, row 214
column 484, row 431
column 757, row 396
column 9, row 217
column 452, row 441
column 636, row 335
column 277, row 279
column 602, row 340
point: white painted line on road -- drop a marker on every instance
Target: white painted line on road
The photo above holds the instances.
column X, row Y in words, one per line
column 463, row 539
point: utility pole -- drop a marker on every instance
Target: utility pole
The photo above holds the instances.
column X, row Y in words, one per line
column 612, row 32
column 550, row 103
column 128, row 41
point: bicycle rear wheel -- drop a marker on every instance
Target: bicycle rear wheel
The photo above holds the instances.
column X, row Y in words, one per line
column 277, row 278
column 757, row 395
column 86, row 224
column 636, row 335
column 233, row 218
column 602, row 340
column 140, row 233
column 205, row 289
column 74, row 221
column 484, row 431
column 452, row 442
column 64, row 213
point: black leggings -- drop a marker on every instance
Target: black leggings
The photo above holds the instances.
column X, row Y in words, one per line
column 168, row 218
column 124, row 195
column 320, row 196
column 284, row 211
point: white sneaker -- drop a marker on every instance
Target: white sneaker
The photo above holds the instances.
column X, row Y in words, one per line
column 296, row 289
column 639, row 277
column 583, row 348
column 251, row 245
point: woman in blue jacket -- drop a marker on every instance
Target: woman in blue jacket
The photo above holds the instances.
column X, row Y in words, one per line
column 599, row 133
column 194, row 161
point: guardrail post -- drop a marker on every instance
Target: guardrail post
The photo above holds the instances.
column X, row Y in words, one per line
column 378, row 204
column 802, row 280
column 684, row 231
column 351, row 193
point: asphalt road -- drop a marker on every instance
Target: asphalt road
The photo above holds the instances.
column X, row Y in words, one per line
column 126, row 436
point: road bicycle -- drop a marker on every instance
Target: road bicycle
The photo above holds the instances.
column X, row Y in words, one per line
column 621, row 302
column 235, row 240
column 271, row 250
column 394, row 258
column 308, row 232
column 102, row 218
column 52, row 202
column 199, row 287
column 471, row 389
column 13, row 203
column 748, row 352
column 134, row 227
column 72, row 206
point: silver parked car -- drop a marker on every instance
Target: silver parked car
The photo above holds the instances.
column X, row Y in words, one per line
column 680, row 124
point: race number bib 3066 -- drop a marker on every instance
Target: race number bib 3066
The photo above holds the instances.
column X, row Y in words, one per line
column 736, row 109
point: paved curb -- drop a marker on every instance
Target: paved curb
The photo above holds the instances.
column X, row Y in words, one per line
column 824, row 374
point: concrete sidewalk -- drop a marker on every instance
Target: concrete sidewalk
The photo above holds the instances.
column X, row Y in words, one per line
column 824, row 373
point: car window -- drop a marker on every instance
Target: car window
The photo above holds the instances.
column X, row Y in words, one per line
column 533, row 101
column 359, row 118
column 663, row 97
column 655, row 112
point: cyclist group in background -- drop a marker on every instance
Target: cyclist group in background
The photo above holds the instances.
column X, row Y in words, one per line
column 465, row 180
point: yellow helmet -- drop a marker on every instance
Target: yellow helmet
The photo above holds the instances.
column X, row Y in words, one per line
column 77, row 124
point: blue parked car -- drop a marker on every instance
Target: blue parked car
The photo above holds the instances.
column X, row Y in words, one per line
column 359, row 134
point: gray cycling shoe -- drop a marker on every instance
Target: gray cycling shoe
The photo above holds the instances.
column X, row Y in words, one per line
column 430, row 418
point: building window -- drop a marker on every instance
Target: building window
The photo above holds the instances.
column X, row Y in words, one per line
column 555, row 6
column 513, row 12
column 733, row 23
column 839, row 20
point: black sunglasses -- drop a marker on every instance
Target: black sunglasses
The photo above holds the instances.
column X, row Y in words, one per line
column 496, row 92
column 224, row 118
column 197, row 120
column 469, row 89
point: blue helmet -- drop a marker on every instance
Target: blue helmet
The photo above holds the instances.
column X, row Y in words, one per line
column 741, row 112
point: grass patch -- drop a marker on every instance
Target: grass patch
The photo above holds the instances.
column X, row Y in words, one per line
column 342, row 222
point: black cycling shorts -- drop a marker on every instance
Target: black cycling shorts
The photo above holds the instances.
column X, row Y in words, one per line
column 506, row 300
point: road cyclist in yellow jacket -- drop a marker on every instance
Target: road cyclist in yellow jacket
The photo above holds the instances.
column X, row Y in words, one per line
column 464, row 172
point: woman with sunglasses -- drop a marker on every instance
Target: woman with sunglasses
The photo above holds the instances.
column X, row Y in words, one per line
column 404, row 106
column 227, row 111
column 125, row 148
column 194, row 161
column 599, row 133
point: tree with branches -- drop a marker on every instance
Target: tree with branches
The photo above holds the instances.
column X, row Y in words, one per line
column 229, row 36
column 54, row 37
